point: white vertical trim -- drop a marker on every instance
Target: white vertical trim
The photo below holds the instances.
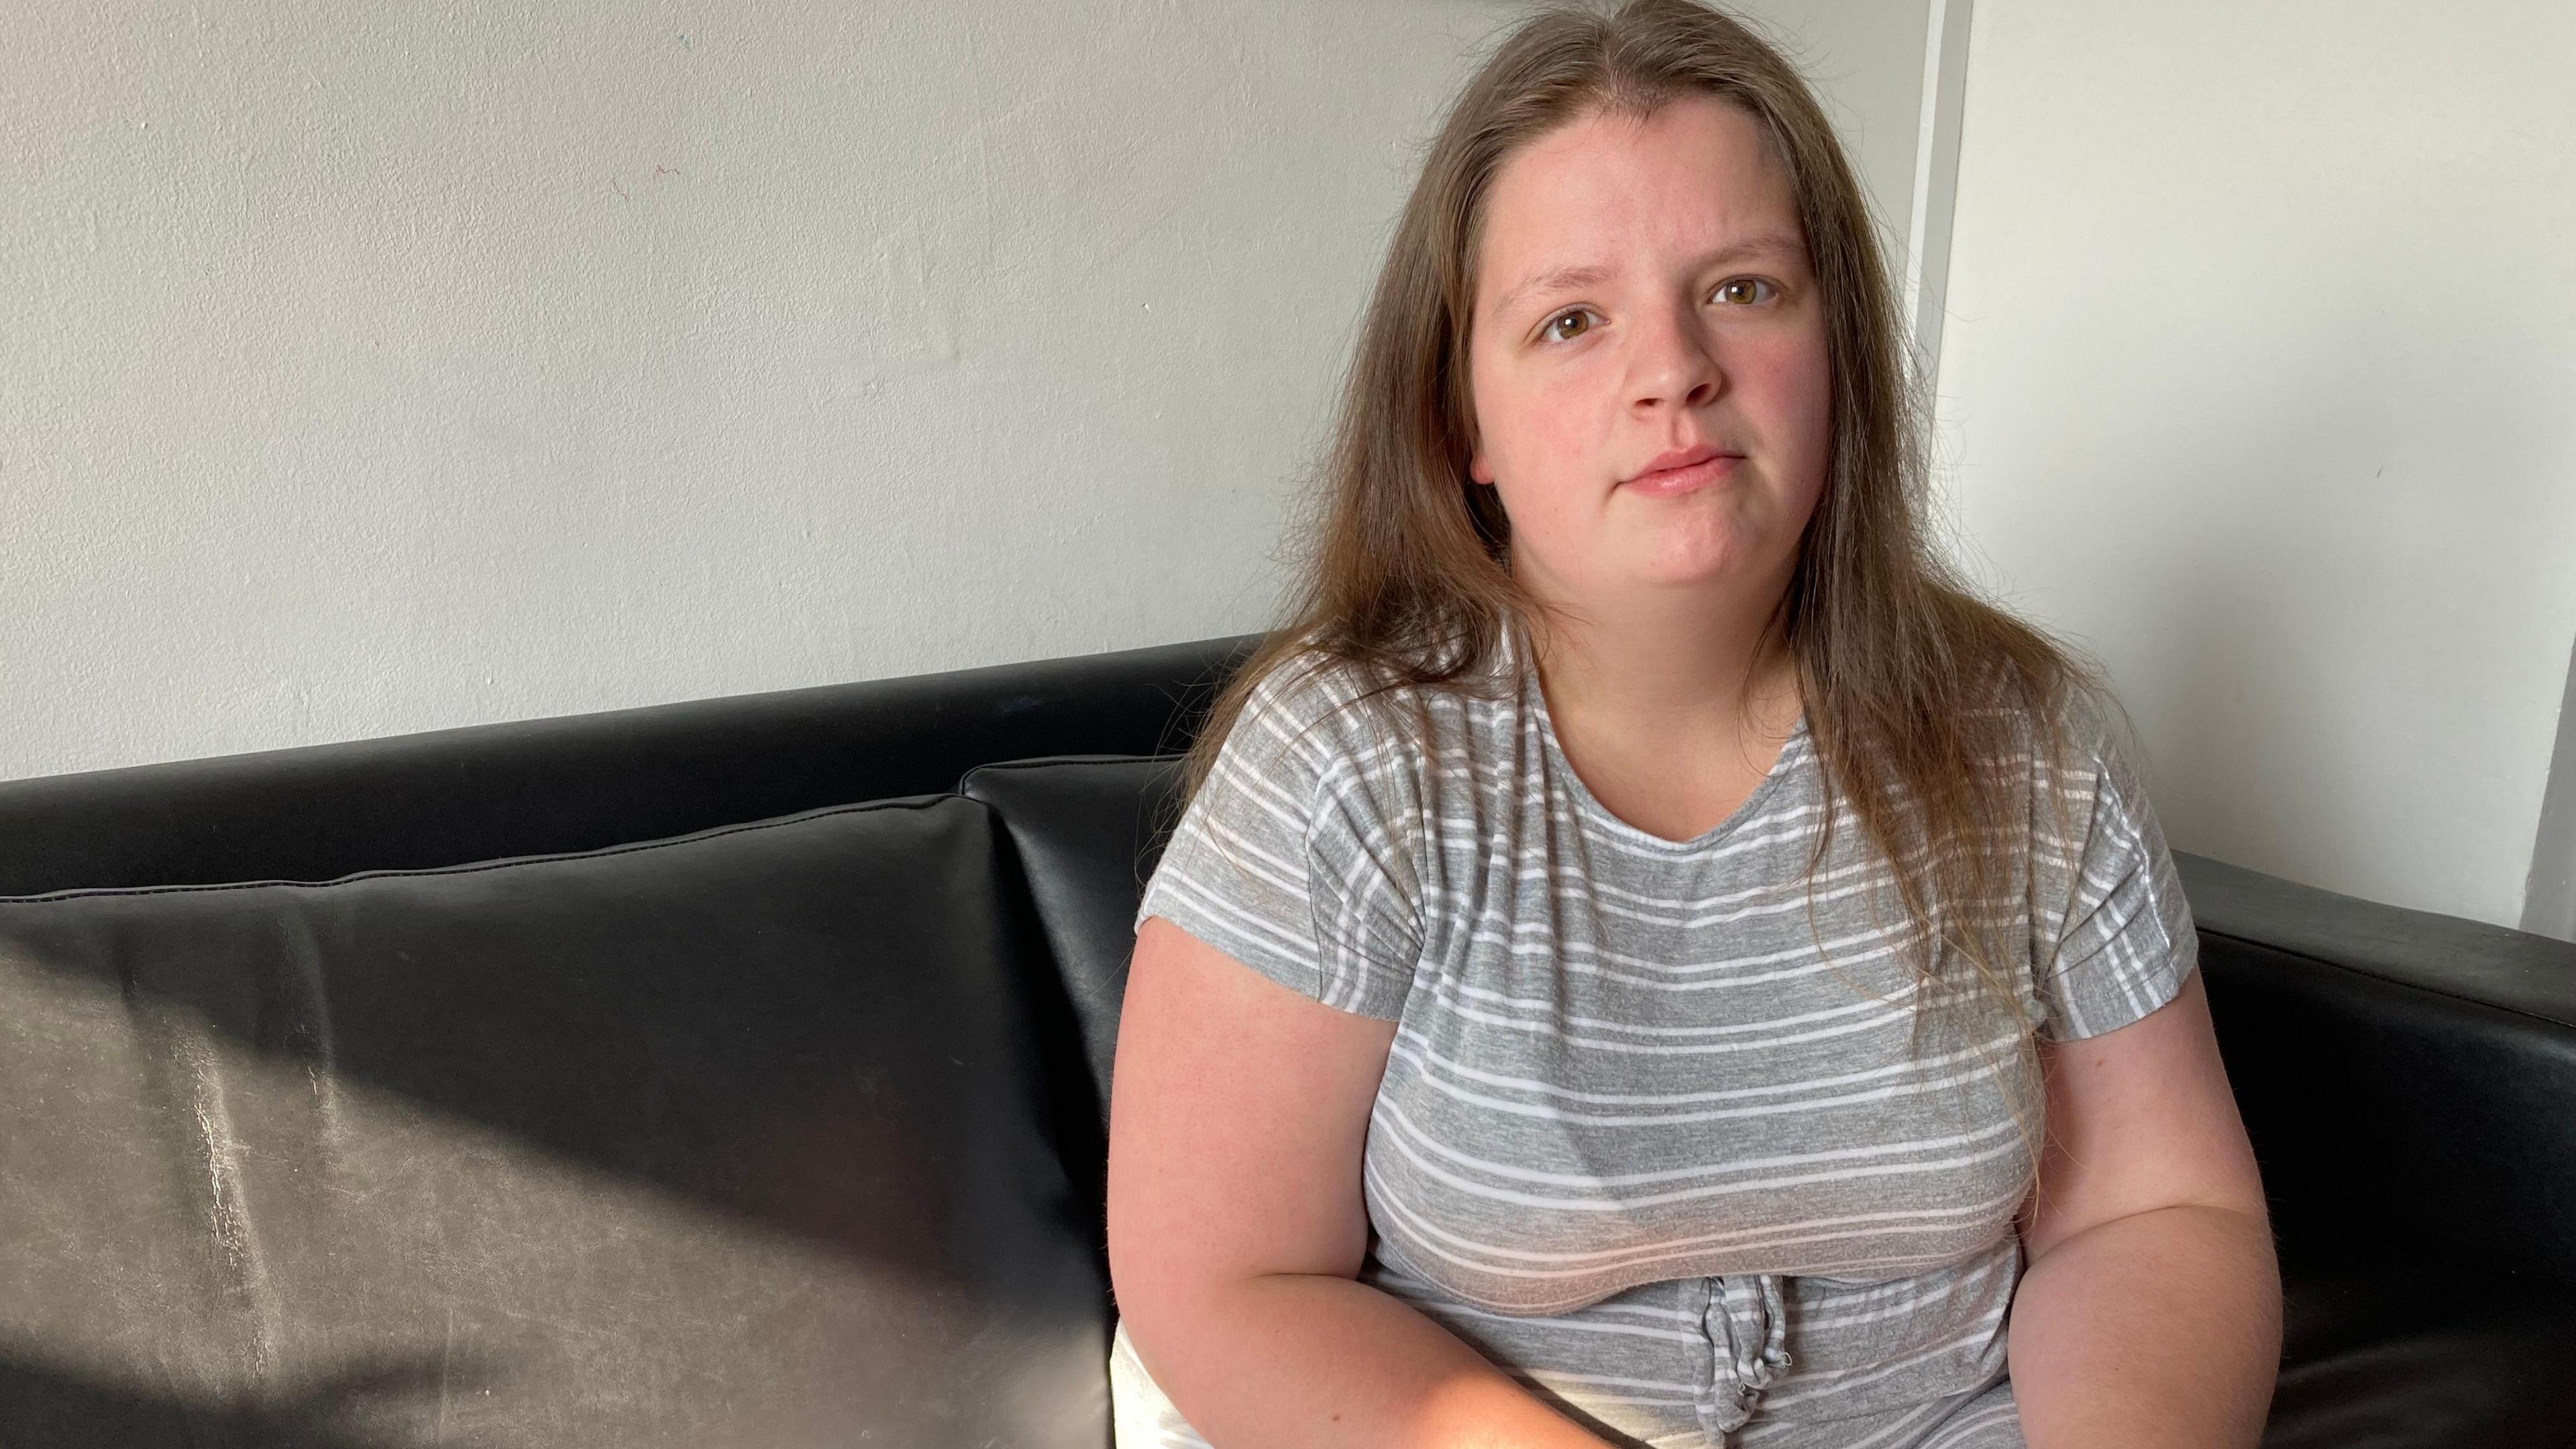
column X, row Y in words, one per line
column 2549, row 892
column 1936, row 177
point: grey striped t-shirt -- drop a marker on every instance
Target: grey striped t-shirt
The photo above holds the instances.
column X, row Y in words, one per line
column 1650, row 1135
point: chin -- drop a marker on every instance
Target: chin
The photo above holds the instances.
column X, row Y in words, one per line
column 1709, row 566
column 1708, row 580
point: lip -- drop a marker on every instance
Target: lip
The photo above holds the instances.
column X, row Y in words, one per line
column 1685, row 469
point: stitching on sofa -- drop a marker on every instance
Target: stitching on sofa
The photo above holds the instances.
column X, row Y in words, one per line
column 2394, row 981
column 476, row 867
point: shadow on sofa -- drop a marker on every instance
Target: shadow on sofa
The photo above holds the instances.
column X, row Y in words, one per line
column 783, row 1120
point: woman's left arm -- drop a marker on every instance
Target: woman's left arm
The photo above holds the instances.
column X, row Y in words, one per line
column 2150, row 1310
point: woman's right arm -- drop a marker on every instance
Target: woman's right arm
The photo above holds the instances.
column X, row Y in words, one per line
column 1238, row 1112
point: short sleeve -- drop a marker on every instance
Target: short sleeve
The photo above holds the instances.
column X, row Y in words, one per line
column 1290, row 858
column 2112, row 937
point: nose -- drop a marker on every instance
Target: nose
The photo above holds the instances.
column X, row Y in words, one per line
column 1673, row 365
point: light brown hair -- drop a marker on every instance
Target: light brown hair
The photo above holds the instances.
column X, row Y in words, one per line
column 1922, row 700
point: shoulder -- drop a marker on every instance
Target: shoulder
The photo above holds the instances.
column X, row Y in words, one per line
column 1320, row 712
column 2086, row 753
column 2087, row 800
column 2064, row 741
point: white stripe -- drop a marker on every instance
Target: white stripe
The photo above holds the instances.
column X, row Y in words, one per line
column 1542, row 1112
column 1412, row 1134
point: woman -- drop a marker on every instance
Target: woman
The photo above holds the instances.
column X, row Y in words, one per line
column 1634, row 924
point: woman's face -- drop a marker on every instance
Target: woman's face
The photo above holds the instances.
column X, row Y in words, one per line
column 1642, row 292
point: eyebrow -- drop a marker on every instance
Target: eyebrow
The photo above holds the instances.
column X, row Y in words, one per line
column 1561, row 278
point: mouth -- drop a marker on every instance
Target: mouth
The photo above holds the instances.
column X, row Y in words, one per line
column 1684, row 469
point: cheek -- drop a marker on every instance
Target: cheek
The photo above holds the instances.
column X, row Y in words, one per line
column 1789, row 390
column 1560, row 432
column 1536, row 430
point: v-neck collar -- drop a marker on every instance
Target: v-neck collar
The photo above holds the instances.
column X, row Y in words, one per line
column 1534, row 704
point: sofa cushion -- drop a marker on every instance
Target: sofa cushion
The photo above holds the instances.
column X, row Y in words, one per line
column 1088, row 830
column 2401, row 1358
column 733, row 1137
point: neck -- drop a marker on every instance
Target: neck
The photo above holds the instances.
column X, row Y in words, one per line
column 1671, row 663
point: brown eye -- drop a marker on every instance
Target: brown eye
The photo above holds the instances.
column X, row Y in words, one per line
column 1745, row 291
column 1553, row 331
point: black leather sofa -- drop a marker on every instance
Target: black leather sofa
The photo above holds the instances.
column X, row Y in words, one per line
column 736, row 1073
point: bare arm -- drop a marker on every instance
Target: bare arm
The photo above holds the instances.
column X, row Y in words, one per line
column 2151, row 1311
column 1238, row 1112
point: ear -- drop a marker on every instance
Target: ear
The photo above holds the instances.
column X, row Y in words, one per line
column 1478, row 468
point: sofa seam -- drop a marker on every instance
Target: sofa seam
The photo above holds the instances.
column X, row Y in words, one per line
column 1041, row 762
column 477, row 867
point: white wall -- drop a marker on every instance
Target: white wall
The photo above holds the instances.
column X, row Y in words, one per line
column 2260, row 377
column 376, row 368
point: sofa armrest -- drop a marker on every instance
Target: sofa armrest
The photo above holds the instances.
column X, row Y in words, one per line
column 2408, row 1079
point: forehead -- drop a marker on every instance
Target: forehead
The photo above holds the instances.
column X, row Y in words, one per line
column 1609, row 189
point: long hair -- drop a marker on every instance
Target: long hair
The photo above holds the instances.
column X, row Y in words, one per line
column 1921, row 699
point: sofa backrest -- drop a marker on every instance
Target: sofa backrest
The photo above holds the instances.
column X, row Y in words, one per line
column 740, row 1137
column 1084, row 833
column 580, row 783
column 1087, row 832
column 2406, row 1077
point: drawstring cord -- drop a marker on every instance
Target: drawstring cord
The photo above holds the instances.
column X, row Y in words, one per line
column 1756, row 1324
